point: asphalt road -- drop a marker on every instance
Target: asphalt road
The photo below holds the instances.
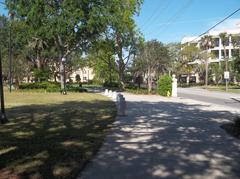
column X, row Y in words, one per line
column 220, row 98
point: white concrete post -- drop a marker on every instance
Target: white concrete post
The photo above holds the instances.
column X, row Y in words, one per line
column 110, row 93
column 114, row 95
column 106, row 92
column 121, row 105
column 197, row 78
column 174, row 86
column 188, row 78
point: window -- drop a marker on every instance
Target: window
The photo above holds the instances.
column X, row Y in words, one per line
column 227, row 53
column 216, row 42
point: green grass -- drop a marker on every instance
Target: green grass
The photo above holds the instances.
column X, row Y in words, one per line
column 231, row 89
column 52, row 135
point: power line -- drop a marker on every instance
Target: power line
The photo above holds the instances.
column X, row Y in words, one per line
column 153, row 16
column 230, row 15
column 173, row 18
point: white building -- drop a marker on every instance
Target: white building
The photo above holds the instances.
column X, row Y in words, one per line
column 217, row 49
column 85, row 74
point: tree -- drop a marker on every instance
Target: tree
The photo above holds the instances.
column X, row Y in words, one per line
column 189, row 53
column 101, row 58
column 236, row 52
column 68, row 25
column 174, row 50
column 152, row 59
column 225, row 41
column 124, row 33
column 206, row 43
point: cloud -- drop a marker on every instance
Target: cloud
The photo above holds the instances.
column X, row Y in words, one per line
column 228, row 24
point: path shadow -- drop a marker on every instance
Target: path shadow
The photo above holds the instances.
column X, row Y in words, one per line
column 168, row 140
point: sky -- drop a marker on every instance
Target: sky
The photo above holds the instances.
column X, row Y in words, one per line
column 171, row 20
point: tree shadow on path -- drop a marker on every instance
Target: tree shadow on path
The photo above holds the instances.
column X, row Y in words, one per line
column 168, row 140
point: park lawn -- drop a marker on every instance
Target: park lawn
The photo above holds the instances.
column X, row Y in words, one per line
column 231, row 89
column 50, row 135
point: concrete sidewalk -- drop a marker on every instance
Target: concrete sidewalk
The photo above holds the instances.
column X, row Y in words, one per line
column 168, row 138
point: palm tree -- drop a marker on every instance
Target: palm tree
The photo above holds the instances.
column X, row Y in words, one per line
column 224, row 37
column 206, row 43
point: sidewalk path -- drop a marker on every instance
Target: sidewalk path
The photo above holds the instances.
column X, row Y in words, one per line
column 168, row 138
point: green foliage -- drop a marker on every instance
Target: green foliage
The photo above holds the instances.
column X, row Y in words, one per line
column 164, row 85
column 152, row 58
column 111, row 84
column 49, row 87
column 73, row 88
column 101, row 58
column 41, row 74
column 237, row 62
column 39, row 85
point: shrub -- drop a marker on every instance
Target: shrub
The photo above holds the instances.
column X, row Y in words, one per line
column 164, row 85
column 111, row 84
column 39, row 85
column 42, row 75
column 76, row 89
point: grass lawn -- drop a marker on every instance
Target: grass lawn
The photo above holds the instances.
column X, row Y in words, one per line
column 51, row 135
column 231, row 89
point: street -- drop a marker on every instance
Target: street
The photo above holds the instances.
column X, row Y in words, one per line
column 220, row 98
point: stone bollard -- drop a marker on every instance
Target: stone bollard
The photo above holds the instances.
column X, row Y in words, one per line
column 106, row 92
column 174, row 86
column 110, row 93
column 121, row 105
column 114, row 95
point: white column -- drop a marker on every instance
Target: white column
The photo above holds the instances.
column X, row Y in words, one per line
column 220, row 48
column 230, row 47
column 174, row 86
column 197, row 78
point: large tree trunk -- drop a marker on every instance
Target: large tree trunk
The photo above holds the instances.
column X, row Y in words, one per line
column 61, row 74
column 149, row 81
column 61, row 69
column 38, row 63
column 121, row 65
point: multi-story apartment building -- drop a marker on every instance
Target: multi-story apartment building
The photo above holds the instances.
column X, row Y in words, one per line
column 217, row 48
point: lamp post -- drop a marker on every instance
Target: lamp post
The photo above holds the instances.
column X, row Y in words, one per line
column 63, row 88
column 3, row 118
column 11, row 15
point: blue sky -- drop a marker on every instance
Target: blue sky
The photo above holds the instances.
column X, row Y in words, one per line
column 171, row 20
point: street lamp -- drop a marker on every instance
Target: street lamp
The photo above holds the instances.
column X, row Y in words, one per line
column 63, row 85
column 11, row 15
column 3, row 118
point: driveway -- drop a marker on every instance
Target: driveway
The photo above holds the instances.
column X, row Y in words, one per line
column 168, row 138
